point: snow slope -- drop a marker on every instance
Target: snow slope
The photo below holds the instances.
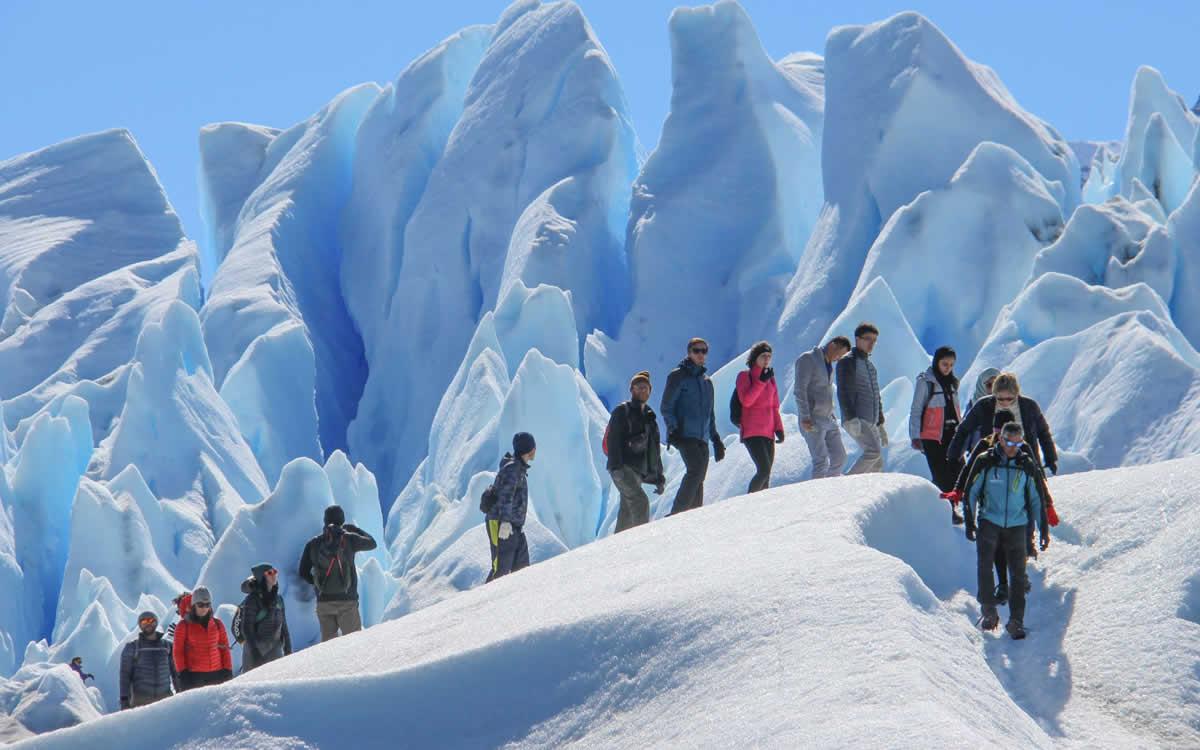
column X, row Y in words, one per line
column 828, row 614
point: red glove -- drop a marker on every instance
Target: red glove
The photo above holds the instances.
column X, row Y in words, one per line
column 954, row 496
column 1051, row 514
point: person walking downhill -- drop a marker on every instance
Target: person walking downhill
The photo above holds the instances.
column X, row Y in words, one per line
column 262, row 621
column 934, row 417
column 327, row 563
column 983, row 387
column 862, row 405
column 1006, row 394
column 507, row 508
column 688, row 408
column 1003, row 496
column 631, row 443
column 77, row 668
column 201, row 648
column 147, row 665
column 814, row 404
column 761, row 425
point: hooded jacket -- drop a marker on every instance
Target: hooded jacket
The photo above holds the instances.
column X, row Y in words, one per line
column 1037, row 430
column 353, row 540
column 147, row 669
column 927, row 418
column 1005, row 491
column 688, row 404
column 760, row 405
column 629, row 420
column 264, row 622
column 512, row 491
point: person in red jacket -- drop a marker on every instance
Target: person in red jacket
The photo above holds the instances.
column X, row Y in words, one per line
column 761, row 426
column 201, row 649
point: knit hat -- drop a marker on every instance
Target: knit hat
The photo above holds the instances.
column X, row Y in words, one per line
column 1003, row 417
column 335, row 515
column 147, row 615
column 523, row 443
column 644, row 375
column 201, row 596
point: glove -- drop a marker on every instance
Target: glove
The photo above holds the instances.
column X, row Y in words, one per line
column 1053, row 467
column 660, row 488
column 779, row 436
column 766, row 374
column 807, row 425
column 124, row 704
column 918, row 446
column 719, row 450
column 505, row 530
column 954, row 496
column 1045, row 541
column 672, row 439
column 970, row 532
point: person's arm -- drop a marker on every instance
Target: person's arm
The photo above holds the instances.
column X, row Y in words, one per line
column 506, row 488
column 800, row 388
column 778, row 416
column 916, row 413
column 179, row 647
column 1045, row 439
column 126, row 684
column 969, row 424
column 669, row 398
column 305, row 570
column 250, row 607
column 287, row 636
column 971, row 502
column 847, row 389
column 749, row 389
column 360, row 541
column 879, row 404
column 616, row 438
column 223, row 648
column 713, row 435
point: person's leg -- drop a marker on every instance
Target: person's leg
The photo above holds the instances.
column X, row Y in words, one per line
column 935, row 458
column 819, row 450
column 759, row 448
column 327, row 619
column 986, row 541
column 635, row 506
column 1001, row 567
column 867, row 437
column 506, row 554
column 493, row 532
column 349, row 617
column 1014, row 548
column 695, row 459
column 835, row 448
column 521, row 555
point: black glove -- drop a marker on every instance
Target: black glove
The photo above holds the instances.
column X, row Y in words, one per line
column 766, row 374
column 673, row 439
column 779, row 436
column 1053, row 467
column 719, row 450
column 970, row 532
column 124, row 703
column 225, row 675
column 660, row 488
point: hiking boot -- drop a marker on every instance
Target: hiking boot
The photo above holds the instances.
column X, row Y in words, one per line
column 1001, row 596
column 990, row 620
column 1015, row 629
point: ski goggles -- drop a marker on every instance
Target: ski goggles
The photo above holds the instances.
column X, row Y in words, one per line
column 148, row 621
column 1017, row 444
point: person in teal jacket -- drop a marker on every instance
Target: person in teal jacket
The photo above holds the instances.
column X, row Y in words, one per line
column 1004, row 497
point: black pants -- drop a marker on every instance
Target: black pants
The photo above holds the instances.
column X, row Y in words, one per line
column 191, row 680
column 508, row 555
column 691, row 489
column 943, row 469
column 762, row 453
column 1013, row 541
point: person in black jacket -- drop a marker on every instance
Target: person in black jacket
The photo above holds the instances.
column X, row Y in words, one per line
column 147, row 666
column 688, row 408
column 506, row 518
column 264, row 621
column 1006, row 394
column 634, row 454
column 77, row 668
column 328, row 564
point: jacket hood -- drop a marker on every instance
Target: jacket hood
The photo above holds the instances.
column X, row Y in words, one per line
column 511, row 459
column 980, row 389
column 692, row 367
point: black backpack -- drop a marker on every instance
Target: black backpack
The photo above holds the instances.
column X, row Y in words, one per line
column 332, row 574
column 487, row 500
column 735, row 409
column 237, row 628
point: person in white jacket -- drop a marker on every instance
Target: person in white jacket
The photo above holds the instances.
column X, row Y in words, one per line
column 814, row 404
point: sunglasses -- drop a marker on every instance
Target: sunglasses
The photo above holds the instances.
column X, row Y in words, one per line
column 148, row 621
column 271, row 572
column 198, row 605
column 700, row 351
column 1017, row 444
column 1000, row 400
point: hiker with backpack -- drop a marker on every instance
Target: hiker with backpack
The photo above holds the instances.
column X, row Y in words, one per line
column 1006, row 394
column 814, row 404
column 327, row 563
column 147, row 665
column 934, row 416
column 1004, row 500
column 861, row 402
column 760, row 423
column 505, row 504
column 631, row 442
column 201, row 648
column 688, row 408
column 260, row 624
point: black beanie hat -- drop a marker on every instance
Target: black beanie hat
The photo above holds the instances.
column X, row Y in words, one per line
column 523, row 443
column 335, row 515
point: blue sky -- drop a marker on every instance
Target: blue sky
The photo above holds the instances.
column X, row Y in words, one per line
column 163, row 69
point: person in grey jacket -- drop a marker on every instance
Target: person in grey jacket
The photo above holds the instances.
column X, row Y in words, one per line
column 147, row 667
column 859, row 397
column 688, row 408
column 814, row 404
column 934, row 417
column 264, row 621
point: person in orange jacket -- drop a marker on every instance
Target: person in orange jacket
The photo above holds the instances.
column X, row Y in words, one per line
column 201, row 648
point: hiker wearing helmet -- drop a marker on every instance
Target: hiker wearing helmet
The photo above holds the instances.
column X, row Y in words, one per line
column 147, row 666
column 261, row 622
column 632, row 445
column 506, row 517
column 201, row 648
column 328, row 564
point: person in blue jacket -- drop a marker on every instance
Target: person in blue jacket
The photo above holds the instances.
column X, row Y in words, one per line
column 1004, row 497
column 688, row 407
column 506, row 519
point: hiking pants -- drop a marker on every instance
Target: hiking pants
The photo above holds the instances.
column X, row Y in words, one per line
column 825, row 446
column 989, row 538
column 508, row 555
column 762, row 453
column 635, row 505
column 870, row 438
column 691, row 489
column 943, row 469
column 335, row 615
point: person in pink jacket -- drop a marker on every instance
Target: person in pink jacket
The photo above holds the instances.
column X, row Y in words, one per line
column 761, row 425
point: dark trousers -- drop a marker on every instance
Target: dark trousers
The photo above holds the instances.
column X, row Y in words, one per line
column 1012, row 540
column 508, row 555
column 762, row 453
column 943, row 469
column 635, row 505
column 691, row 489
column 191, row 680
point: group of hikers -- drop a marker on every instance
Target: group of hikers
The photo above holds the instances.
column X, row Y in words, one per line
column 999, row 483
column 195, row 651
